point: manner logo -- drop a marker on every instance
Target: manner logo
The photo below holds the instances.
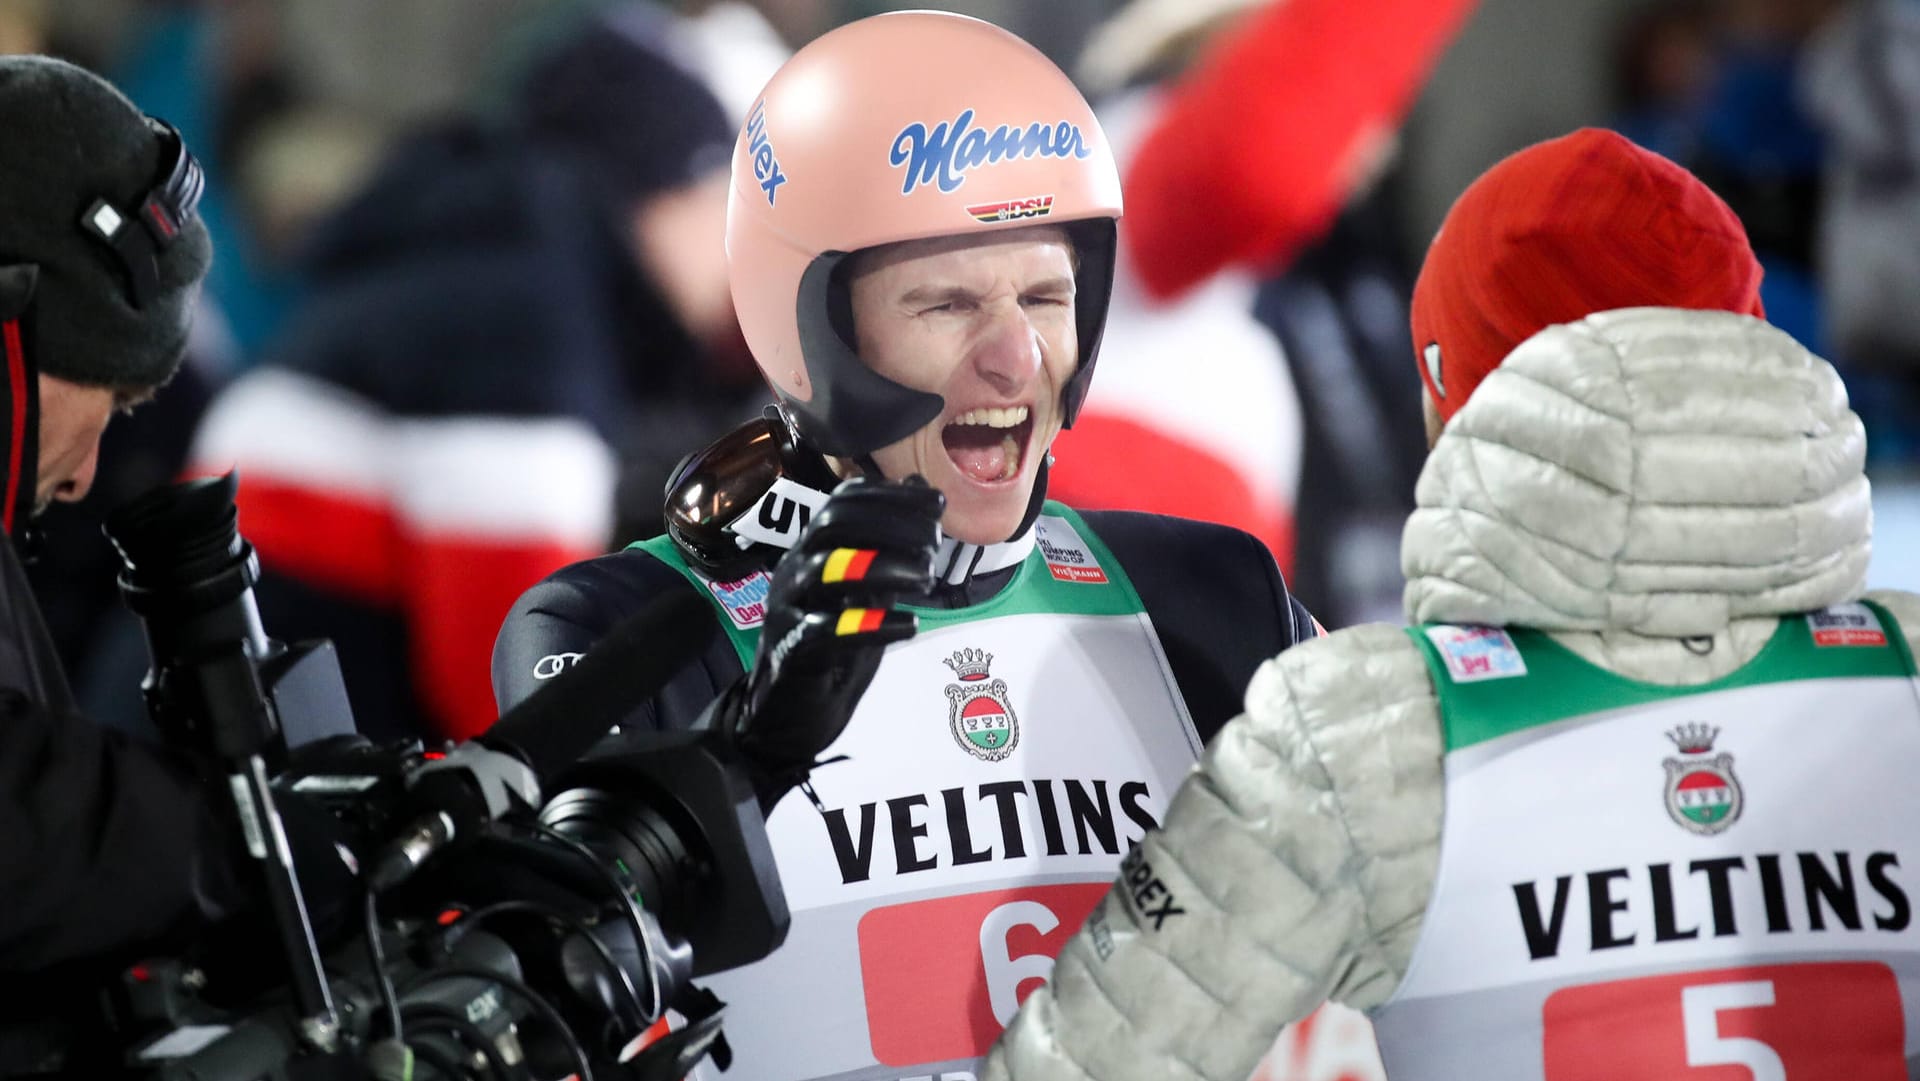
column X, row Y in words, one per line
column 979, row 714
column 945, row 154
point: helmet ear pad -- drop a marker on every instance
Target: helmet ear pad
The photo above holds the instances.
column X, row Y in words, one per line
column 856, row 411
column 1095, row 247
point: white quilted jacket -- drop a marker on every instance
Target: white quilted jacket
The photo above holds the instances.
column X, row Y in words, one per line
column 1655, row 486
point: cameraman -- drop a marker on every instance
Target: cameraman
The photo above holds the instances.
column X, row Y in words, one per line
column 106, row 845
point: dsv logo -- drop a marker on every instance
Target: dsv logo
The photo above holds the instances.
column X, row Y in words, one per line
column 553, row 664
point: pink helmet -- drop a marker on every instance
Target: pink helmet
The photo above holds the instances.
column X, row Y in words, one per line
column 900, row 127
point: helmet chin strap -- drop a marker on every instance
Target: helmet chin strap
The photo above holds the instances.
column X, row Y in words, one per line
column 1035, row 500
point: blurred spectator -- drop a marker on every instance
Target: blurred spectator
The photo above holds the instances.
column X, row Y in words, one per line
column 738, row 50
column 1193, row 414
column 215, row 68
column 1232, row 172
column 1283, row 121
column 509, row 321
column 295, row 166
column 1807, row 144
column 1862, row 81
column 23, row 27
column 1662, row 70
column 1758, row 149
column 1340, row 311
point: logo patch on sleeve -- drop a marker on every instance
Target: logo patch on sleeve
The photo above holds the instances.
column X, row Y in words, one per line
column 1846, row 625
column 745, row 600
column 1476, row 653
column 1068, row 557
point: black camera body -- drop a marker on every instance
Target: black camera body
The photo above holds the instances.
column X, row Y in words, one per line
column 531, row 943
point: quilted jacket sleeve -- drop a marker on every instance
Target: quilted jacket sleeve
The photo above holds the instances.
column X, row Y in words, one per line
column 1293, row 867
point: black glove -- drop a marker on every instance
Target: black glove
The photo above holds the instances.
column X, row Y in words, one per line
column 830, row 615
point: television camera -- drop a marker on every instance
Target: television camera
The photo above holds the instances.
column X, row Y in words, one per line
column 453, row 924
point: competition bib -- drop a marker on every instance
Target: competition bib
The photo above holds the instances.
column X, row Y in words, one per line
column 1647, row 883
column 997, row 769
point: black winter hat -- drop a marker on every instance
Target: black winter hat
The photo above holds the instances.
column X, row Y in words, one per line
column 612, row 95
column 69, row 141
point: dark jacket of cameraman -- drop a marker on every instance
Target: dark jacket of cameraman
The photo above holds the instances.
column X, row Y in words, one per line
column 104, row 841
column 106, row 845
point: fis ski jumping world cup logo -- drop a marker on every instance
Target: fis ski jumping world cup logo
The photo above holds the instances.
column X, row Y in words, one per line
column 1703, row 795
column 979, row 714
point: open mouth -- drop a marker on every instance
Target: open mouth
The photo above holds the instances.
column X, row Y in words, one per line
column 987, row 445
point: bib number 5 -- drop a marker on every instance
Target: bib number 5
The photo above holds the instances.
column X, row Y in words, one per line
column 1817, row 1021
column 1700, row 1015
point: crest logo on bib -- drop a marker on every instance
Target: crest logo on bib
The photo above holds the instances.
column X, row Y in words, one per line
column 1703, row 795
column 979, row 713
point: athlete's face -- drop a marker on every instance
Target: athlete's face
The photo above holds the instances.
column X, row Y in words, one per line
column 987, row 323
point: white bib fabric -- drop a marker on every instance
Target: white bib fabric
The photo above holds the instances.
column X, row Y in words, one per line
column 999, row 767
column 1670, row 879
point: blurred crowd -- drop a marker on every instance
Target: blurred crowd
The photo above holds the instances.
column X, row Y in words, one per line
column 469, row 305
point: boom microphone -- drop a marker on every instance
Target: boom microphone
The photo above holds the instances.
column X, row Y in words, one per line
column 558, row 724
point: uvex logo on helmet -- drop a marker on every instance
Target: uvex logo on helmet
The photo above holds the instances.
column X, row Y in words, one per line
column 944, row 155
column 766, row 167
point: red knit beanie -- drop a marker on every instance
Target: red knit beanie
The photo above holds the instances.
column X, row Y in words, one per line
column 1585, row 223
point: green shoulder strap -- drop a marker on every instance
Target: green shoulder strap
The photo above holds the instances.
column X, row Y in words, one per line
column 1055, row 578
column 724, row 596
column 1495, row 681
column 1051, row 580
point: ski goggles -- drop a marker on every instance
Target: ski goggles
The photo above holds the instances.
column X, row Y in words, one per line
column 750, row 487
